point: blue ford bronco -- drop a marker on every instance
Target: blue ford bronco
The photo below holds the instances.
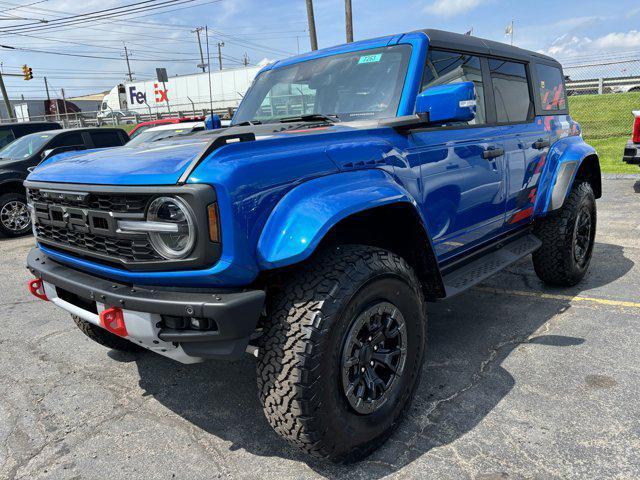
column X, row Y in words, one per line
column 355, row 184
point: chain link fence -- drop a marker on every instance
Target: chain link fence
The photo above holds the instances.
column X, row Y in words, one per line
column 603, row 93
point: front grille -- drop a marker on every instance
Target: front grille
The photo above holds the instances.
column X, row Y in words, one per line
column 115, row 202
column 82, row 221
column 630, row 152
column 86, row 223
column 124, row 249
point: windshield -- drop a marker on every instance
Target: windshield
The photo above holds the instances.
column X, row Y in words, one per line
column 139, row 130
column 352, row 86
column 148, row 136
column 25, row 146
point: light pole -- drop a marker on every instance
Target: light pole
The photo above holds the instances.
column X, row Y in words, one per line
column 220, row 45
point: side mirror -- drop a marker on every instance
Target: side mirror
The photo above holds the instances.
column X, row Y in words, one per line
column 455, row 102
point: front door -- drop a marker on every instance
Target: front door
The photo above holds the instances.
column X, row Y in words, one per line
column 462, row 166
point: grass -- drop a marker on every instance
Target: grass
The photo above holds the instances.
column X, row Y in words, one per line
column 126, row 127
column 607, row 122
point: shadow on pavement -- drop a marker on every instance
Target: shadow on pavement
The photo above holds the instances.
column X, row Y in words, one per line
column 463, row 380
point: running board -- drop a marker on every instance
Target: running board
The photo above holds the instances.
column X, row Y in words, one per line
column 479, row 270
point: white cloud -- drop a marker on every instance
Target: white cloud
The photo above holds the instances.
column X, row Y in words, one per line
column 573, row 45
column 449, row 8
column 614, row 41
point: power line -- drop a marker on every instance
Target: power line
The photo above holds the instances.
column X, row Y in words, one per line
column 227, row 37
column 82, row 15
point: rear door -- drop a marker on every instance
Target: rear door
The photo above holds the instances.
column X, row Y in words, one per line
column 525, row 140
column 461, row 166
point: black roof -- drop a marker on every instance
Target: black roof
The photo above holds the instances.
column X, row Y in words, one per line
column 468, row 43
column 59, row 131
column 20, row 124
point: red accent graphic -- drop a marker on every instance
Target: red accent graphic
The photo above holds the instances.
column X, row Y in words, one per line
column 522, row 215
column 541, row 162
column 161, row 95
column 113, row 320
column 37, row 289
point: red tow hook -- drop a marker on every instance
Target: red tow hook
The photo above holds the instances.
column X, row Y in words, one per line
column 113, row 320
column 37, row 289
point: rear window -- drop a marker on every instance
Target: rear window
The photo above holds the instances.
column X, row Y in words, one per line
column 551, row 88
column 511, row 91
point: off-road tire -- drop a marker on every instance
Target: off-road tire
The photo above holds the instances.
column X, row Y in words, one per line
column 299, row 374
column 554, row 262
column 105, row 338
column 6, row 199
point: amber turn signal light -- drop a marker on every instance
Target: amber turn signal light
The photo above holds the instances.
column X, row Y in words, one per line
column 214, row 222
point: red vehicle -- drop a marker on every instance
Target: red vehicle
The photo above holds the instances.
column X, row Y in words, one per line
column 632, row 150
column 141, row 127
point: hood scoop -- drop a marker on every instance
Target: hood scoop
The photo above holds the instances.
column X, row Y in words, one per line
column 219, row 141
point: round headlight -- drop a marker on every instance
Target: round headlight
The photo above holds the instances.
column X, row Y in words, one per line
column 178, row 243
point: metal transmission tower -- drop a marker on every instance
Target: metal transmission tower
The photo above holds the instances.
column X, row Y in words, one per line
column 202, row 64
column 312, row 26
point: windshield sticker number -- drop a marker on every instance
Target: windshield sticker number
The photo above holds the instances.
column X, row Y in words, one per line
column 370, row 58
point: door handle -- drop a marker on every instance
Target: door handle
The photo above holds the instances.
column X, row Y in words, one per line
column 540, row 144
column 492, row 152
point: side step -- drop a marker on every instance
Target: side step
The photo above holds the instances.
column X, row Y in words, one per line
column 479, row 270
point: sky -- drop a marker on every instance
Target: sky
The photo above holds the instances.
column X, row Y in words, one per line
column 574, row 31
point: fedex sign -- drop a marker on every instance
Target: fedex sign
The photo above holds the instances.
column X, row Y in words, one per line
column 161, row 95
column 137, row 97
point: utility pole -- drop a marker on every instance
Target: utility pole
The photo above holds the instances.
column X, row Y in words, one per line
column 313, row 38
column 64, row 105
column 348, row 20
column 126, row 56
column 46, row 87
column 197, row 32
column 220, row 45
column 7, row 103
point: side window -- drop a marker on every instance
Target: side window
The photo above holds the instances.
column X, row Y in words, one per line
column 68, row 140
column 106, row 139
column 451, row 67
column 511, row 91
column 551, row 88
column 6, row 136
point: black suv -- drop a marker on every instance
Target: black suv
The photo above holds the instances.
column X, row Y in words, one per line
column 28, row 151
column 10, row 131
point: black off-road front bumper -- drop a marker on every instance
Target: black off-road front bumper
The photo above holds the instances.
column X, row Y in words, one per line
column 632, row 153
column 232, row 315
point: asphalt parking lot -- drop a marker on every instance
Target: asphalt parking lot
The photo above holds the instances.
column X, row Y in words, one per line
column 521, row 381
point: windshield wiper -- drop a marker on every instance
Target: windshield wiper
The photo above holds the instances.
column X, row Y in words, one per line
column 327, row 117
column 247, row 123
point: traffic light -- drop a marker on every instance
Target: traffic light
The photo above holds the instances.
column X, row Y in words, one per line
column 27, row 72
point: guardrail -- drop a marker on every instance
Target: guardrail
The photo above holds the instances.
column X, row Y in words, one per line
column 603, row 85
